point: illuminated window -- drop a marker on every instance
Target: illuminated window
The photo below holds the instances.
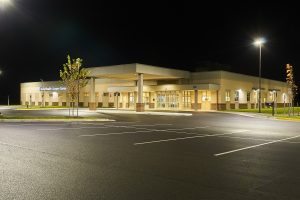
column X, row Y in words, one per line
column 86, row 94
column 97, row 94
column 186, row 99
column 236, row 95
column 206, row 96
column 131, row 98
column 227, row 96
column 248, row 96
column 146, row 97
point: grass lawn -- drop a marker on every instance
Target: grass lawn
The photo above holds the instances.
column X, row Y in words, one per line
column 44, row 117
column 280, row 113
column 41, row 108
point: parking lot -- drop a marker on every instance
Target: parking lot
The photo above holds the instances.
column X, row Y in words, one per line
column 204, row 156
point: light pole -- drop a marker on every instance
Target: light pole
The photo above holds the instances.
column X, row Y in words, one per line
column 5, row 3
column 43, row 93
column 259, row 42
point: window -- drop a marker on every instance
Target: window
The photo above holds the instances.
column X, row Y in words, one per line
column 86, row 94
column 206, row 98
column 236, row 95
column 131, row 98
column 146, row 97
column 248, row 96
column 105, row 94
column 50, row 95
column 186, row 98
column 273, row 95
column 227, row 95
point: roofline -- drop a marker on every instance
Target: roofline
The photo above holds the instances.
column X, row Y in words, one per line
column 240, row 74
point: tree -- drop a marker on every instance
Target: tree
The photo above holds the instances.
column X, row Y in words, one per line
column 74, row 77
column 293, row 88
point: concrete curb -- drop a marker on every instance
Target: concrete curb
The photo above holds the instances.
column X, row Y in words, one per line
column 145, row 113
column 57, row 120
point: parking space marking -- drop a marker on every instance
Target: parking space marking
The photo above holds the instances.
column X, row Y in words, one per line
column 254, row 146
column 74, row 128
column 142, row 130
column 36, row 124
column 184, row 138
column 259, row 139
column 126, row 122
column 117, row 133
column 153, row 125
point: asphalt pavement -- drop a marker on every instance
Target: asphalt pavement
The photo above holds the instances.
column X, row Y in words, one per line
column 204, row 156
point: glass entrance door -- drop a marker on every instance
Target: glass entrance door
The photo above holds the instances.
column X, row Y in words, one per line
column 168, row 100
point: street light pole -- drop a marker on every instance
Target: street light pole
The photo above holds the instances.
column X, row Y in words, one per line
column 43, row 93
column 259, row 42
column 259, row 81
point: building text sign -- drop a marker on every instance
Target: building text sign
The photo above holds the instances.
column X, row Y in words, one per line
column 53, row 88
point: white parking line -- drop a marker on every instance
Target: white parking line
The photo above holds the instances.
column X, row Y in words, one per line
column 117, row 133
column 126, row 122
column 144, row 130
column 75, row 128
column 254, row 146
column 258, row 139
column 178, row 129
column 184, row 138
column 33, row 124
column 153, row 125
column 16, row 146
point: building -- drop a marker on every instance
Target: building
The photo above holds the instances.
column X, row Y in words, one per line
column 143, row 87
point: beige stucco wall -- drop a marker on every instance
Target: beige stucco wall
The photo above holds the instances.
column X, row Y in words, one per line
column 211, row 82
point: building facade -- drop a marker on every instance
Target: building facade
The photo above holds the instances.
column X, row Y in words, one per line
column 143, row 87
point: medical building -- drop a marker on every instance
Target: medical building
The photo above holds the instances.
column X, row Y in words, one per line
column 143, row 87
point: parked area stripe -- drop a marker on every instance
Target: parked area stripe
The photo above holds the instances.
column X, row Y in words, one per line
column 117, row 133
column 57, row 129
column 184, row 138
column 144, row 130
column 254, row 146
column 258, row 139
column 153, row 125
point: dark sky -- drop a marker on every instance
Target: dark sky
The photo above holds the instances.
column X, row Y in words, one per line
column 36, row 36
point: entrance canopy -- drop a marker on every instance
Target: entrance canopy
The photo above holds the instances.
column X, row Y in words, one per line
column 130, row 72
column 167, row 87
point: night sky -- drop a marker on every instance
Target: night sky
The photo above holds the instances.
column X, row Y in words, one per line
column 36, row 36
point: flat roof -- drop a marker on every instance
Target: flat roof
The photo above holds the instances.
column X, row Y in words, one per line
column 130, row 72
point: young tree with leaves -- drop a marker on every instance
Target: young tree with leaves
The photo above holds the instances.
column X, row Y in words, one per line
column 293, row 88
column 74, row 77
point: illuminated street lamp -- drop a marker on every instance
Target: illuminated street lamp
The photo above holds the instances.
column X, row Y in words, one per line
column 259, row 42
column 5, row 3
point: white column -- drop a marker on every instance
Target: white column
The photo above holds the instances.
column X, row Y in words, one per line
column 140, row 84
column 196, row 100
column 92, row 103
